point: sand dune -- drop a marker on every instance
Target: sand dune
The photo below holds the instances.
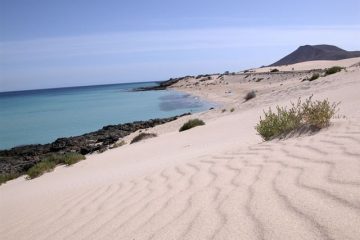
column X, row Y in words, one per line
column 218, row 181
column 319, row 64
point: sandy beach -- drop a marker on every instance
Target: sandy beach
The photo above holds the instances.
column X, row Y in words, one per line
column 217, row 181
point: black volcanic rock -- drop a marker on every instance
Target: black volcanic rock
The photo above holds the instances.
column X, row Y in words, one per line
column 316, row 52
column 162, row 85
column 18, row 160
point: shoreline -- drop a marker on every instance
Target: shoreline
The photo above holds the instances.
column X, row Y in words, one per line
column 18, row 159
column 207, row 181
column 63, row 116
column 223, row 91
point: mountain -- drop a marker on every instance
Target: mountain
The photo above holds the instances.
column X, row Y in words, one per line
column 316, row 52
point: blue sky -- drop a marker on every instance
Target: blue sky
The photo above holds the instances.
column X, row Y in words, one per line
column 46, row 44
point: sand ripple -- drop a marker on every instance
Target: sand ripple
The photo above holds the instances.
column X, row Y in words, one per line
column 304, row 188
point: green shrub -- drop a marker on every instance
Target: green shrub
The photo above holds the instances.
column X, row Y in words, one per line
column 274, row 70
column 191, row 123
column 119, row 144
column 72, row 158
column 46, row 164
column 311, row 114
column 66, row 158
column 142, row 136
column 51, row 157
column 318, row 113
column 49, row 162
column 4, row 177
column 333, row 70
column 250, row 95
column 223, row 110
column 314, row 77
column 232, row 109
column 40, row 168
column 275, row 124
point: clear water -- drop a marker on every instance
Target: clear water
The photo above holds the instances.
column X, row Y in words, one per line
column 41, row 116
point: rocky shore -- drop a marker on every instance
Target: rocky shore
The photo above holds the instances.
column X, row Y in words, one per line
column 162, row 85
column 165, row 84
column 19, row 159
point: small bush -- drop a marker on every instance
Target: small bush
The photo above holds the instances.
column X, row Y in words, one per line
column 314, row 77
column 142, row 136
column 275, row 124
column 46, row 164
column 223, row 110
column 191, row 123
column 119, row 144
column 40, row 168
column 66, row 158
column 311, row 114
column 72, row 158
column 333, row 70
column 250, row 95
column 274, row 70
column 232, row 109
column 318, row 113
column 7, row 177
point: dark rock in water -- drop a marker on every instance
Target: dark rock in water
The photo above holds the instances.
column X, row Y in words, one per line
column 18, row 160
column 163, row 85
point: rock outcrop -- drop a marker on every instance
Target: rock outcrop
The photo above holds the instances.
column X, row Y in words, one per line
column 18, row 160
column 162, row 85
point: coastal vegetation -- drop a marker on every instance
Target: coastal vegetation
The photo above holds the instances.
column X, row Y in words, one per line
column 7, row 177
column 191, row 124
column 308, row 115
column 314, row 77
column 18, row 160
column 72, row 158
column 46, row 164
column 50, row 161
column 40, row 168
column 142, row 136
column 66, row 158
column 118, row 144
column 250, row 95
column 333, row 70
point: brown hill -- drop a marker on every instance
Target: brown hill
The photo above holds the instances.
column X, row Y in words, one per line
column 316, row 52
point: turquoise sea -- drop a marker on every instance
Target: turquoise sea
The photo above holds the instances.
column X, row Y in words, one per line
column 41, row 116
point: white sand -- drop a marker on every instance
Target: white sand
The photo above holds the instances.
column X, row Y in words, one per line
column 320, row 64
column 218, row 181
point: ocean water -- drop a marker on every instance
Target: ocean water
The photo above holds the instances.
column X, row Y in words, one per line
column 42, row 116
